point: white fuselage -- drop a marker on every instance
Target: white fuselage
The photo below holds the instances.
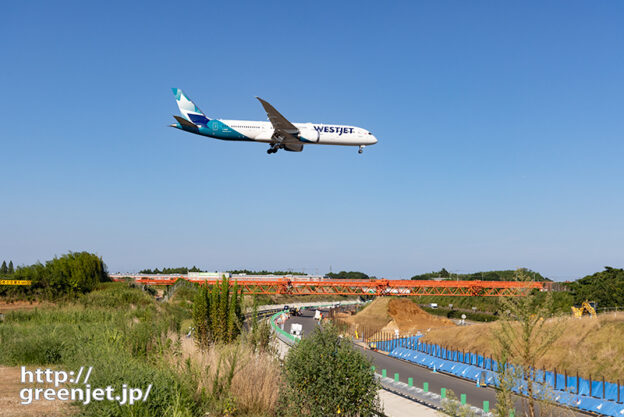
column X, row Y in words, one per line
column 323, row 134
column 278, row 131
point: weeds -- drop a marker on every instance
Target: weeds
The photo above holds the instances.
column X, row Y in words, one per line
column 452, row 407
column 128, row 338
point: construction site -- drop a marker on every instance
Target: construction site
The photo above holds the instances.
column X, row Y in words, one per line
column 581, row 368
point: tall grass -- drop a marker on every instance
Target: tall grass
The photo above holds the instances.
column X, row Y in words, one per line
column 589, row 346
column 233, row 378
column 128, row 338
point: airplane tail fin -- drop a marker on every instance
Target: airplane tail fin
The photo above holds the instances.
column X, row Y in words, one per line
column 190, row 111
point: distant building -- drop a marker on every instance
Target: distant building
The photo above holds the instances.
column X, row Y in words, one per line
column 208, row 275
column 200, row 276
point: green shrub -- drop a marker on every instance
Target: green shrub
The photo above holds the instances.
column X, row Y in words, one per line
column 183, row 291
column 116, row 294
column 456, row 314
column 325, row 375
column 67, row 276
column 115, row 369
column 39, row 348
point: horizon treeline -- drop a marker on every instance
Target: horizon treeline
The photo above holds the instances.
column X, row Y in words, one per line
column 176, row 270
column 70, row 274
column 263, row 272
column 503, row 275
column 605, row 288
column 7, row 269
column 349, row 275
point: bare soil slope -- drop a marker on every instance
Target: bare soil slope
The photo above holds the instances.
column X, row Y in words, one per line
column 590, row 346
column 6, row 306
column 409, row 318
column 374, row 316
column 388, row 314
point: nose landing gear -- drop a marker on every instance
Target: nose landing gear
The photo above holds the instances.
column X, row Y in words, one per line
column 361, row 148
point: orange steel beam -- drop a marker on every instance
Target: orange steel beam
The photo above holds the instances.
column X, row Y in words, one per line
column 367, row 287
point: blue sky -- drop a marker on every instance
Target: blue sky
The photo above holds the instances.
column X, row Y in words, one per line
column 500, row 135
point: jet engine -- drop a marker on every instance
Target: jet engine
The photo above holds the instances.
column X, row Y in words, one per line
column 309, row 134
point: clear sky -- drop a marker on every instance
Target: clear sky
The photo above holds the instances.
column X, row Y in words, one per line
column 500, row 127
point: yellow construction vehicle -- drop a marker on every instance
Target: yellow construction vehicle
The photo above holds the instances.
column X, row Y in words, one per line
column 587, row 308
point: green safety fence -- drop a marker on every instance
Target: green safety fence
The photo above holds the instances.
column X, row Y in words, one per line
column 279, row 331
column 287, row 335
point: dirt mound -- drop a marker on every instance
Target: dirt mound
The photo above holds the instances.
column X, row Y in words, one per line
column 388, row 314
column 374, row 316
column 407, row 317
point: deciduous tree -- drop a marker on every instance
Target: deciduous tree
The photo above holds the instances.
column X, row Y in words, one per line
column 526, row 330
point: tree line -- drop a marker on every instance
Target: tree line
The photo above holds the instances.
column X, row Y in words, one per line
column 263, row 272
column 606, row 288
column 71, row 274
column 177, row 270
column 349, row 275
column 7, row 270
column 504, row 275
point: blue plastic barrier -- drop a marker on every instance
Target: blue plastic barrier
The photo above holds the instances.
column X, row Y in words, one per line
column 611, row 391
column 479, row 368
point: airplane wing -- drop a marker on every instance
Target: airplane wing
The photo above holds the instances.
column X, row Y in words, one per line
column 278, row 121
column 289, row 142
column 285, row 132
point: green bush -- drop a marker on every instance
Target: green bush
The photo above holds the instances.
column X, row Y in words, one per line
column 325, row 375
column 606, row 288
column 561, row 302
column 183, row 291
column 67, row 276
column 456, row 314
column 217, row 314
column 116, row 294
column 40, row 348
column 115, row 369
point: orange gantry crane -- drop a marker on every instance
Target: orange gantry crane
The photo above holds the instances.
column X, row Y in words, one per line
column 362, row 287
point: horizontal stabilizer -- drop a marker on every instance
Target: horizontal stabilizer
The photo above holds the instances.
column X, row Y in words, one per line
column 185, row 123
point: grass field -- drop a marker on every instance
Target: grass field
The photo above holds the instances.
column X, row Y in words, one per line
column 129, row 338
column 590, row 346
column 561, row 302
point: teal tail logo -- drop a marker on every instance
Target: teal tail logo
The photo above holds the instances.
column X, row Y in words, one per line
column 190, row 111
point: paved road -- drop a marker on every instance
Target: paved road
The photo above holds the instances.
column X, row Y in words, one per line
column 393, row 405
column 396, row 406
column 474, row 395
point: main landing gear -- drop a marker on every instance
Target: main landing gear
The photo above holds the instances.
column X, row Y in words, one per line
column 361, row 148
column 273, row 149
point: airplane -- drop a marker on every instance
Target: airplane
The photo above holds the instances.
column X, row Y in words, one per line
column 278, row 132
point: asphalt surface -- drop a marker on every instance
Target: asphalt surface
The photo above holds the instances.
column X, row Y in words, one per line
column 474, row 395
